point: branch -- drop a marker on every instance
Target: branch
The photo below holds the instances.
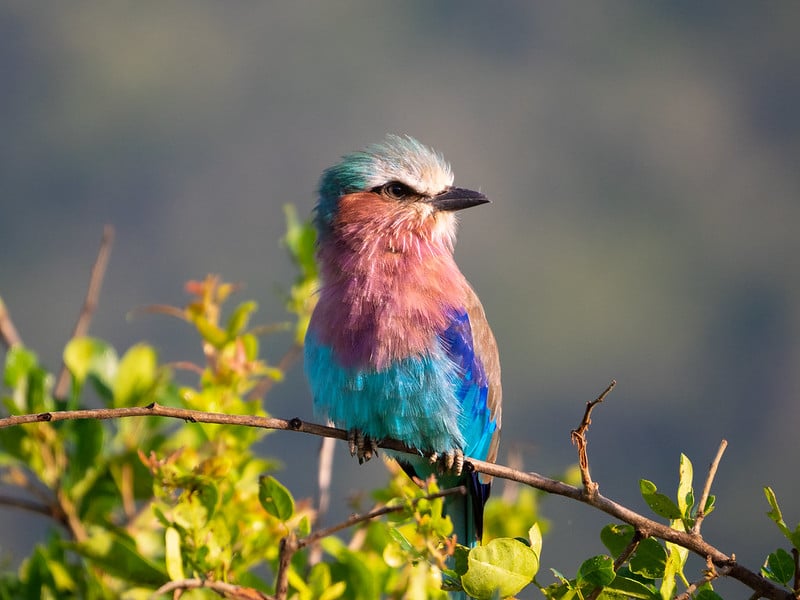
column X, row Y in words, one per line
column 647, row 527
column 8, row 333
column 324, row 476
column 89, row 303
column 712, row 471
column 578, row 437
column 711, row 573
column 47, row 510
column 226, row 590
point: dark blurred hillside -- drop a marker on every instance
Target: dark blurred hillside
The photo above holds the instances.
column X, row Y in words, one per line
column 642, row 159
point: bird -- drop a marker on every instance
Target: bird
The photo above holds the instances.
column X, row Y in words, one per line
column 398, row 345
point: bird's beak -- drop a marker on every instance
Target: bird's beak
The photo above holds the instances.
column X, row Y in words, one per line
column 457, row 199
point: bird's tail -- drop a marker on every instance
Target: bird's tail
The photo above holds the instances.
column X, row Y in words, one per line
column 466, row 513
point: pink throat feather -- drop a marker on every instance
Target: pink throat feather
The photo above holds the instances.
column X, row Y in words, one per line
column 389, row 280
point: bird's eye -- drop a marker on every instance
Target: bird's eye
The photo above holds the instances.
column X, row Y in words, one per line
column 397, row 190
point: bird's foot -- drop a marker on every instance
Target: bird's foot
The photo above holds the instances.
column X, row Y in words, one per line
column 451, row 461
column 361, row 446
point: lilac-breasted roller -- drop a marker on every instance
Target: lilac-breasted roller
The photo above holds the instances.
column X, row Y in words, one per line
column 398, row 345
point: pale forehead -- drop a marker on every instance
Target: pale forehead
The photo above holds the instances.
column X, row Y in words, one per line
column 426, row 177
column 408, row 161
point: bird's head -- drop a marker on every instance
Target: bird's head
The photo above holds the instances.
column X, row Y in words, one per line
column 398, row 179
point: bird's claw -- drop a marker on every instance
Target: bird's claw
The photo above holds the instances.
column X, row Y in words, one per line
column 451, row 461
column 361, row 446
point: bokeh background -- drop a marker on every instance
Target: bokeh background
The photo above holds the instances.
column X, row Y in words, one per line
column 643, row 160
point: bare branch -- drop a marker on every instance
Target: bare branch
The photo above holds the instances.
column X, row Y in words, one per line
column 578, row 437
column 324, row 475
column 226, row 590
column 288, row 547
column 8, row 333
column 712, row 472
column 47, row 510
column 711, row 573
column 796, row 556
column 89, row 303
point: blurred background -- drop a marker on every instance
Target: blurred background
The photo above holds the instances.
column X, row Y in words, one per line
column 642, row 159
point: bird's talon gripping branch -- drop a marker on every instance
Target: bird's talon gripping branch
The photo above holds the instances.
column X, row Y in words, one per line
column 361, row 446
column 450, row 462
column 352, row 441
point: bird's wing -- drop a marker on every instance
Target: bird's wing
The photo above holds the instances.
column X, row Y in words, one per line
column 470, row 344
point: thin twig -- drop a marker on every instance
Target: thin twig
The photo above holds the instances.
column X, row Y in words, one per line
column 578, row 437
column 227, row 590
column 648, row 527
column 89, row 303
column 324, row 476
column 629, row 549
column 8, row 333
column 711, row 573
column 47, row 510
column 712, row 472
column 288, row 546
column 265, row 385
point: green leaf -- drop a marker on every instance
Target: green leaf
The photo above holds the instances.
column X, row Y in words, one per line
column 136, row 375
column 210, row 332
column 535, row 537
column 172, row 551
column 304, row 527
column 676, row 558
column 86, row 356
column 625, row 587
column 502, row 567
column 650, row 559
column 119, row 556
column 19, row 362
column 776, row 515
column 659, row 503
column 300, row 240
column 616, row 538
column 597, row 571
column 707, row 595
column 238, row 320
column 276, row 499
column 89, row 435
column 685, row 492
column 779, row 567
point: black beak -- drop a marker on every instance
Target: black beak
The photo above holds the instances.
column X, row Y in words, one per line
column 457, row 199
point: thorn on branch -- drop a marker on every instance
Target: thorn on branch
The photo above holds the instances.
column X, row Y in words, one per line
column 578, row 437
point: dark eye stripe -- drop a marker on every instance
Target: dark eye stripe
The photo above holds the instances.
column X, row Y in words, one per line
column 395, row 190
